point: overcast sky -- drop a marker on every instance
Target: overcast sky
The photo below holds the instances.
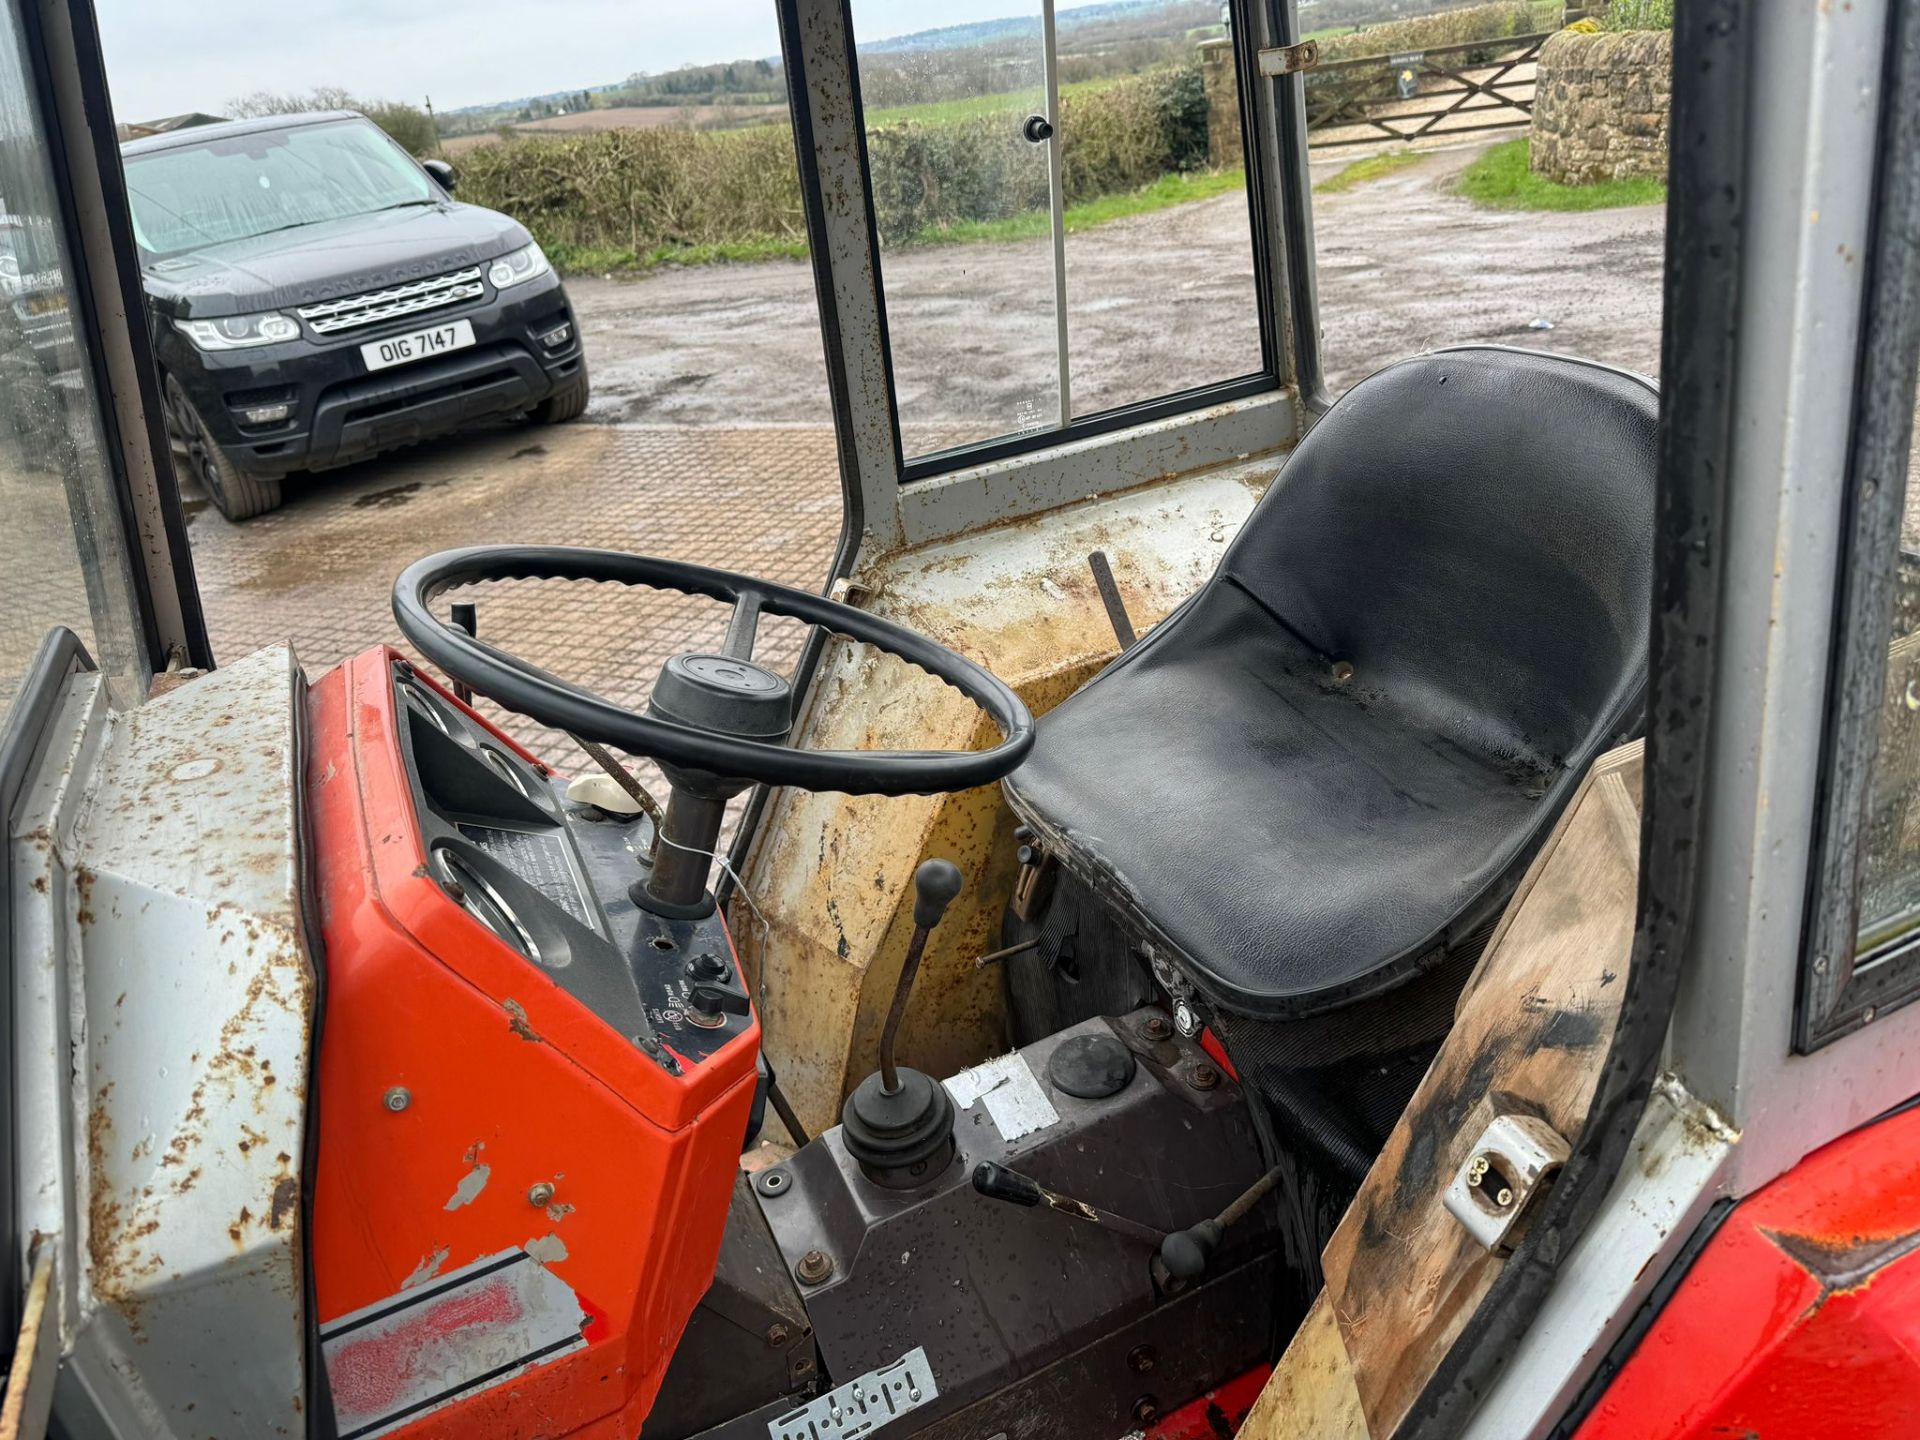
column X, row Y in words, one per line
column 165, row 57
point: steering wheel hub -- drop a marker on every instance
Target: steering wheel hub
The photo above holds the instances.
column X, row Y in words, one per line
column 720, row 693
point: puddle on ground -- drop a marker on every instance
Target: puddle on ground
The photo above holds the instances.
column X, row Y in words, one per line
column 387, row 499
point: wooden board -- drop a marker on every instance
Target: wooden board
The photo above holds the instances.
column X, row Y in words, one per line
column 1311, row 1395
column 1533, row 1027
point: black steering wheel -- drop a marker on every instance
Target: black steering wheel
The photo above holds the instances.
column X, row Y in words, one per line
column 525, row 688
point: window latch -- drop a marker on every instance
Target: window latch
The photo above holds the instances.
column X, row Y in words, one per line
column 1289, row 59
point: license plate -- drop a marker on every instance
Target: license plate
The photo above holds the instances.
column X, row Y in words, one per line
column 401, row 349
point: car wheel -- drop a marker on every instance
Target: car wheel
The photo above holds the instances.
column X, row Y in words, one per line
column 235, row 494
column 568, row 402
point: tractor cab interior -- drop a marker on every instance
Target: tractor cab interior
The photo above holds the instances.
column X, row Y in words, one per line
column 1152, row 968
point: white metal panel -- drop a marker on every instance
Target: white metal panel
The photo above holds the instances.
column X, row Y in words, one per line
column 168, row 938
column 1811, row 173
column 1679, row 1155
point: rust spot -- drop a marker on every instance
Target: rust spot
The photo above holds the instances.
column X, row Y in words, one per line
column 517, row 1021
column 1843, row 1265
column 286, row 1200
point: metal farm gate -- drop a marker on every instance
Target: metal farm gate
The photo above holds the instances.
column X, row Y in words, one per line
column 1448, row 90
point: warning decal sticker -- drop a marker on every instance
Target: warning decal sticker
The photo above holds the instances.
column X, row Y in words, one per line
column 422, row 1349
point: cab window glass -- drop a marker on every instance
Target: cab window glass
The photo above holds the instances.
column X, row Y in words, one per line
column 415, row 283
column 1862, row 955
column 1890, row 840
column 61, row 561
column 1061, row 203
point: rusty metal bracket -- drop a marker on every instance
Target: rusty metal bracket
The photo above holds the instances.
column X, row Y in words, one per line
column 1117, row 616
column 1289, row 59
column 1509, row 1165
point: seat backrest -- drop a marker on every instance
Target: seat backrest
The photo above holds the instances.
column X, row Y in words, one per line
column 1472, row 530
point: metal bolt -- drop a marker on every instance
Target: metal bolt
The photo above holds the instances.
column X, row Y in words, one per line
column 540, row 1194
column 1504, row 1198
column 1186, row 1019
column 397, row 1099
column 1342, row 671
column 777, row 1334
column 1203, row 1077
column 1140, row 1359
column 814, row 1266
column 1146, row 1410
column 455, row 889
column 1155, row 1027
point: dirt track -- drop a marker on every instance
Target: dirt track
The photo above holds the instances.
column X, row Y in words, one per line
column 1156, row 302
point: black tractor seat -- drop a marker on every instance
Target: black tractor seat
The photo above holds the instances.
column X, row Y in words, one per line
column 1326, row 771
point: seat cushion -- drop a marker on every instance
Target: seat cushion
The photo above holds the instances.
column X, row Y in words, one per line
column 1334, row 761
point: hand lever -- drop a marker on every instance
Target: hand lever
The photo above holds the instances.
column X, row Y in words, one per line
column 935, row 884
column 997, row 1182
column 1185, row 1253
column 1179, row 1257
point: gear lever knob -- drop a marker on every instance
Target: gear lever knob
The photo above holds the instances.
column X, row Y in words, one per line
column 935, row 884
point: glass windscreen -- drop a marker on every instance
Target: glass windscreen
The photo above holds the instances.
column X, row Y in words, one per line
column 61, row 558
column 1061, row 201
column 241, row 186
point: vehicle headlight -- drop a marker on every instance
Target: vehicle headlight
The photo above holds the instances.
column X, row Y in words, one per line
column 518, row 268
column 237, row 332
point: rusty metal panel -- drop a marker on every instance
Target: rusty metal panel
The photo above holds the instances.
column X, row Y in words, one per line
column 830, row 873
column 164, row 952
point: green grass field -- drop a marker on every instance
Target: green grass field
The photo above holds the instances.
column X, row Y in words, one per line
column 946, row 112
column 1374, row 167
column 1163, row 194
column 1500, row 179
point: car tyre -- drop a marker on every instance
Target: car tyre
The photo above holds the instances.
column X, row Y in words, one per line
column 235, row 493
column 567, row 402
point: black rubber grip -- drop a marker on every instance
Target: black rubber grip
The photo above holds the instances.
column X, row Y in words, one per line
column 997, row 1182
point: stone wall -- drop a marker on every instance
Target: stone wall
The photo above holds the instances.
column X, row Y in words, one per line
column 1600, row 106
column 1223, row 104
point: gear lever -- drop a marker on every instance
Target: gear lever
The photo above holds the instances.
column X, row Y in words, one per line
column 899, row 1123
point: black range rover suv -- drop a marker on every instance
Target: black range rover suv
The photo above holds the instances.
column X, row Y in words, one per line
column 318, row 296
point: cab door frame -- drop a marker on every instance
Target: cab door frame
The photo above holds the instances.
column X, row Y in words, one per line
column 1791, row 251
column 63, row 50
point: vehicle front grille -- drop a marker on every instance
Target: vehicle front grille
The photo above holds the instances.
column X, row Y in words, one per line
column 376, row 306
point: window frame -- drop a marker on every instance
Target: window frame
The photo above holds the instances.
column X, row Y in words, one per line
column 938, row 497
column 1839, row 990
column 1213, row 392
